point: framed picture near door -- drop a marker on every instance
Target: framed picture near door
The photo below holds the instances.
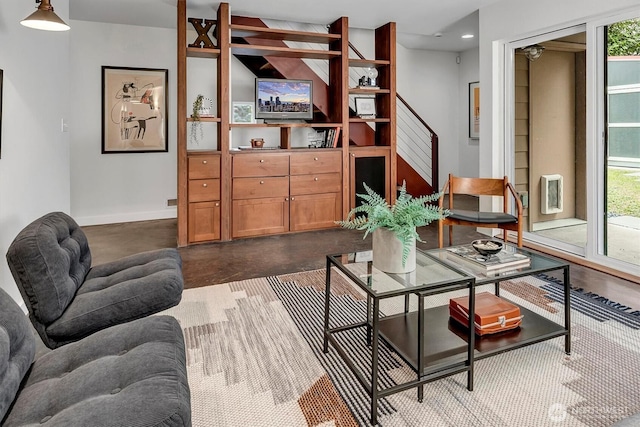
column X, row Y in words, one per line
column 474, row 110
column 134, row 110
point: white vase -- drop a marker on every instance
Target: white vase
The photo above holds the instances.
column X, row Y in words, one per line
column 387, row 252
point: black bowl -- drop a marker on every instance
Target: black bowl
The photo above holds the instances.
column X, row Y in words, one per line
column 487, row 247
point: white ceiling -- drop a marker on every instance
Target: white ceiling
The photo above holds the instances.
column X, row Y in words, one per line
column 421, row 24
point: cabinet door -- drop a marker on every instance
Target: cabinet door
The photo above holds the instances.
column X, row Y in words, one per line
column 204, row 221
column 258, row 217
column 315, row 211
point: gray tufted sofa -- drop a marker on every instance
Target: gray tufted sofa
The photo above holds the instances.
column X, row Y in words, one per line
column 69, row 299
column 130, row 375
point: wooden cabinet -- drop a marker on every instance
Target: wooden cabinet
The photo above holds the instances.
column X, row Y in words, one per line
column 316, row 190
column 203, row 195
column 275, row 193
column 224, row 193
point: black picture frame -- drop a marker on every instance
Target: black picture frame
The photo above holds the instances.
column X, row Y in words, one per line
column 474, row 110
column 134, row 110
column 1, row 84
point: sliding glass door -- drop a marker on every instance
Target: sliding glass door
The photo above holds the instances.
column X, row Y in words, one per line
column 621, row 168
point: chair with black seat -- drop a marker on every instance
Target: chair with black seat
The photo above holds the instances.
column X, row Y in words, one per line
column 69, row 299
column 504, row 220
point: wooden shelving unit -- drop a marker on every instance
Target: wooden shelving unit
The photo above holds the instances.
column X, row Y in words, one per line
column 306, row 205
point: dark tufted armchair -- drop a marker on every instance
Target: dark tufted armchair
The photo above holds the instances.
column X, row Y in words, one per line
column 132, row 374
column 69, row 299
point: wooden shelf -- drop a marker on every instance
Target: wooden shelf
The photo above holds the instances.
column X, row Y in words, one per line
column 285, row 125
column 366, row 63
column 356, row 91
column 249, row 39
column 204, row 52
column 285, row 52
column 205, row 119
column 376, row 120
column 278, row 34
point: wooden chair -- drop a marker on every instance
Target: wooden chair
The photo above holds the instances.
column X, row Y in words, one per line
column 480, row 187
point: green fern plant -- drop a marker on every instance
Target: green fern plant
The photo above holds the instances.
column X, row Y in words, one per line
column 402, row 218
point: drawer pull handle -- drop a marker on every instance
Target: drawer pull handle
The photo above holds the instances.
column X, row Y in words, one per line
column 286, row 199
column 293, row 198
column 315, row 158
column 205, row 185
column 217, row 204
column 261, row 160
column 204, row 162
column 315, row 179
column 261, row 182
column 353, row 155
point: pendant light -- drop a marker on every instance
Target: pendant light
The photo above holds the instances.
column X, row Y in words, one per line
column 44, row 18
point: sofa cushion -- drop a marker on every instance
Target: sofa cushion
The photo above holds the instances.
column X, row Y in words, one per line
column 483, row 217
column 17, row 348
column 121, row 291
column 131, row 374
column 49, row 260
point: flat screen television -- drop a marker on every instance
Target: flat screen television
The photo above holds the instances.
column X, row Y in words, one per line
column 284, row 99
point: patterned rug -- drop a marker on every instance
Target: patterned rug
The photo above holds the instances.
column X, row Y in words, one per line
column 254, row 356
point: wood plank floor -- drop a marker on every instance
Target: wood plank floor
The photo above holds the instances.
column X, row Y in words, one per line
column 215, row 263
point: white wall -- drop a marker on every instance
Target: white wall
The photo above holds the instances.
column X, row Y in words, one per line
column 429, row 82
column 34, row 168
column 110, row 188
column 469, row 148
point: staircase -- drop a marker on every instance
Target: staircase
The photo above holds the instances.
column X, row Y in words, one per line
column 417, row 143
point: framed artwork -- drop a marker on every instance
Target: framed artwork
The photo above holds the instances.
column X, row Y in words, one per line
column 1, row 78
column 366, row 107
column 134, row 110
column 474, row 110
column 242, row 112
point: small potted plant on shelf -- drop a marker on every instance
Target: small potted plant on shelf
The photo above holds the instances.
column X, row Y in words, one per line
column 199, row 110
column 196, row 124
column 393, row 227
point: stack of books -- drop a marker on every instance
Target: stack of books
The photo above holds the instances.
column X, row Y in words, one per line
column 507, row 259
column 331, row 137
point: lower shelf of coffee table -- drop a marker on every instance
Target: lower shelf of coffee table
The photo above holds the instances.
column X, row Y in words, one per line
column 445, row 341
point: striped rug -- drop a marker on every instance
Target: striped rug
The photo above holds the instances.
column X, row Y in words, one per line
column 254, row 356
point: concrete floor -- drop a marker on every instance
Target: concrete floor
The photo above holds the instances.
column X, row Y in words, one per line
column 623, row 237
column 221, row 262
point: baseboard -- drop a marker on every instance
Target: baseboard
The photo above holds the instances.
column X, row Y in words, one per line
column 168, row 213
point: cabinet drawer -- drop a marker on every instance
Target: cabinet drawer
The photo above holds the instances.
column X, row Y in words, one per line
column 253, row 188
column 202, row 190
column 248, row 165
column 316, row 183
column 320, row 162
column 201, row 167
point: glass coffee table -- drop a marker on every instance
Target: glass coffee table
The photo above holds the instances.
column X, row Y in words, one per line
column 432, row 352
column 431, row 344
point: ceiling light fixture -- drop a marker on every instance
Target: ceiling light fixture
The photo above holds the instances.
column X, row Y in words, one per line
column 468, row 36
column 44, row 18
column 533, row 52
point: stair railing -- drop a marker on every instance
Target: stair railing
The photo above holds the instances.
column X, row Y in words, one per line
column 417, row 142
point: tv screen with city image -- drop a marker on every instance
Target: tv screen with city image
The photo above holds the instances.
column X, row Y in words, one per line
column 284, row 99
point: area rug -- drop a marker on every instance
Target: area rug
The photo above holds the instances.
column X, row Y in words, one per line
column 254, row 355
